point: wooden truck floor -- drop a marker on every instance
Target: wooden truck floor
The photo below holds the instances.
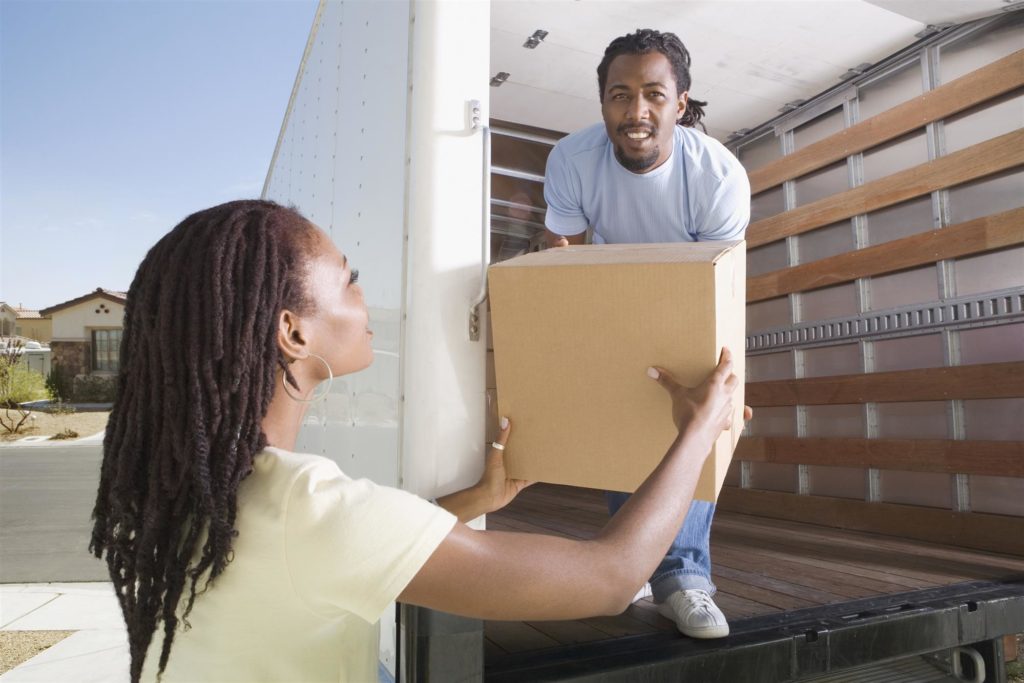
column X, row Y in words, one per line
column 761, row 567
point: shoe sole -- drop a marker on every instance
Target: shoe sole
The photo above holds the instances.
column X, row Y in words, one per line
column 705, row 633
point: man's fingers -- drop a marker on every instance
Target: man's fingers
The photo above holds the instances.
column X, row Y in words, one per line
column 748, row 413
column 664, row 378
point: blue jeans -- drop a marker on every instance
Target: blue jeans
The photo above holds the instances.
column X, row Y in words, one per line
column 687, row 564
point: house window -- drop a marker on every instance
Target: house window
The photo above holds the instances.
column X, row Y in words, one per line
column 106, row 350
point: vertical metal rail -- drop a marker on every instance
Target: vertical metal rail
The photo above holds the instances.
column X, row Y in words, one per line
column 476, row 123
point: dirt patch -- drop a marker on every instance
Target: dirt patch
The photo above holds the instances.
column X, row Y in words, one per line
column 49, row 424
column 20, row 646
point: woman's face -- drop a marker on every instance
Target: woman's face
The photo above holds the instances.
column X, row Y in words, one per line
column 339, row 320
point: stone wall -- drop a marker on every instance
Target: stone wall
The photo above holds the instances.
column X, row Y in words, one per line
column 74, row 358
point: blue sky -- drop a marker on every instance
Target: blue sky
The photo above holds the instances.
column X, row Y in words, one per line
column 118, row 119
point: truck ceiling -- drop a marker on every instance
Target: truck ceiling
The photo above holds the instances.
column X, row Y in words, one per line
column 751, row 59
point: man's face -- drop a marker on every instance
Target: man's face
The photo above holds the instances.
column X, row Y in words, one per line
column 640, row 107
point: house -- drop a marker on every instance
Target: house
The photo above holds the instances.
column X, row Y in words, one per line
column 33, row 325
column 8, row 320
column 86, row 332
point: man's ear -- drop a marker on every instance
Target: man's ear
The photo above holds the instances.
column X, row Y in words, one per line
column 291, row 338
column 684, row 97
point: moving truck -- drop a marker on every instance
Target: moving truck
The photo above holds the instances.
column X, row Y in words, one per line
column 872, row 522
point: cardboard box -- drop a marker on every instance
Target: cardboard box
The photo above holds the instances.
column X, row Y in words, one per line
column 575, row 330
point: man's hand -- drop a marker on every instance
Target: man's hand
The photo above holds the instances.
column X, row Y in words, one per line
column 555, row 241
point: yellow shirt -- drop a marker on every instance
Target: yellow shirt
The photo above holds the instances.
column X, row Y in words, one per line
column 317, row 560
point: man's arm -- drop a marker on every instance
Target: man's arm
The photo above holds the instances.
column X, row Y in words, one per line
column 565, row 222
column 726, row 211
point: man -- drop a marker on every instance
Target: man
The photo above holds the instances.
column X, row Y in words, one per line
column 640, row 177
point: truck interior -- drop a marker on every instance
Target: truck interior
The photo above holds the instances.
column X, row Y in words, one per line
column 879, row 483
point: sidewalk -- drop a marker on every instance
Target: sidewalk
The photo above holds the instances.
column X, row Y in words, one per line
column 96, row 652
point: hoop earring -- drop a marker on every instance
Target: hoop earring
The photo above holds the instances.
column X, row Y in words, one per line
column 315, row 399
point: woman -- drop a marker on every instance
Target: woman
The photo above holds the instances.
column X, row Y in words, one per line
column 232, row 320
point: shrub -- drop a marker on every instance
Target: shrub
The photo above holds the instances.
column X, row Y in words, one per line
column 12, row 420
column 93, row 389
column 60, row 382
column 19, row 384
column 67, row 433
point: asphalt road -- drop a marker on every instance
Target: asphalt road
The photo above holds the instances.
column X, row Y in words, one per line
column 46, row 498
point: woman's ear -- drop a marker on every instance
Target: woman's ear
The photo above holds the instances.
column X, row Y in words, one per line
column 291, row 338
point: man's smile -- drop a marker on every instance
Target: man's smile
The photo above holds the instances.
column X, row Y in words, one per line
column 638, row 132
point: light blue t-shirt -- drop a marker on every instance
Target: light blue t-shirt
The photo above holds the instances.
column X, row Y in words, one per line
column 700, row 193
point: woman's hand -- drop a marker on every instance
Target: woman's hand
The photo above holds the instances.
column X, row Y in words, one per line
column 495, row 484
column 707, row 405
column 494, row 490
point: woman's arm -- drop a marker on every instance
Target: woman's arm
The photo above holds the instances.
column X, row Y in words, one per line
column 501, row 575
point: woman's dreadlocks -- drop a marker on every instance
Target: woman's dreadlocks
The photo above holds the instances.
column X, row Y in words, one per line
column 198, row 363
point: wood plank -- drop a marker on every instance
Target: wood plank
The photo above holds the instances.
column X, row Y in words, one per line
column 892, row 564
column 968, row 561
column 516, row 636
column 998, row 533
column 568, row 632
column 492, row 649
column 619, row 626
column 972, row 237
column 991, row 458
column 765, row 596
column 841, row 584
column 977, row 161
column 802, row 553
column 908, row 558
column 988, row 82
column 984, row 380
column 647, row 612
column 736, row 607
column 776, row 584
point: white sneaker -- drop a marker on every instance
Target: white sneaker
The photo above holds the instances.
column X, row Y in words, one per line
column 695, row 613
